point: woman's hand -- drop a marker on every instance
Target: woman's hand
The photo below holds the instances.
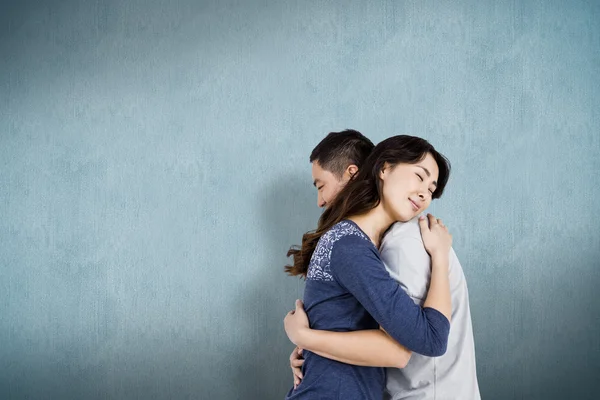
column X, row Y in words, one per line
column 436, row 238
column 296, row 324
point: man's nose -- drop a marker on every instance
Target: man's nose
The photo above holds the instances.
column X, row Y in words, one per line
column 321, row 202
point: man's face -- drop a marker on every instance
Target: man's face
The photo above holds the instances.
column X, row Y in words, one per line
column 327, row 183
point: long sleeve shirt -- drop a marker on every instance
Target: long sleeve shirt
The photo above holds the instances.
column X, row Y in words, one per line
column 349, row 289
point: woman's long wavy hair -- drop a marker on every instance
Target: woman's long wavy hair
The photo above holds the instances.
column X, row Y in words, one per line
column 363, row 192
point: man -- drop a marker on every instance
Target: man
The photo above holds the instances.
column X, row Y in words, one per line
column 452, row 376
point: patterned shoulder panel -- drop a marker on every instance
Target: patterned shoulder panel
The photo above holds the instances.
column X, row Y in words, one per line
column 319, row 266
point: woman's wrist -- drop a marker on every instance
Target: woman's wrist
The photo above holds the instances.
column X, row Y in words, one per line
column 440, row 259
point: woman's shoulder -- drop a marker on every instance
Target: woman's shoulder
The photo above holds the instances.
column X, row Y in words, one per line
column 342, row 236
column 347, row 230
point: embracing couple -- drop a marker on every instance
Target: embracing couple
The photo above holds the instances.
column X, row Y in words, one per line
column 386, row 307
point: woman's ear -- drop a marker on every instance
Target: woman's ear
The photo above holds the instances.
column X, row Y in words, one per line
column 384, row 170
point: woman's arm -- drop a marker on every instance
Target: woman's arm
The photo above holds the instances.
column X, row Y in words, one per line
column 357, row 267
column 437, row 242
column 423, row 330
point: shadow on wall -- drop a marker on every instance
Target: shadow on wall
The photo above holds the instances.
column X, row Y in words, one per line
column 287, row 209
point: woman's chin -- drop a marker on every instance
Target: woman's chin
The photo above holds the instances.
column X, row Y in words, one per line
column 405, row 217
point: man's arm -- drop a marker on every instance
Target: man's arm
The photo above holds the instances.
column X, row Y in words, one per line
column 377, row 348
column 423, row 330
column 371, row 348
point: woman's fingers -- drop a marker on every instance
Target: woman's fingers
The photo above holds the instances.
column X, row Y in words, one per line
column 432, row 221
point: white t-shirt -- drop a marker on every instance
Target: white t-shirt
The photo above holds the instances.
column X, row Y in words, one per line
column 453, row 375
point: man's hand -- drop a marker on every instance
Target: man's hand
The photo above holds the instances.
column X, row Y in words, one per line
column 296, row 323
column 296, row 362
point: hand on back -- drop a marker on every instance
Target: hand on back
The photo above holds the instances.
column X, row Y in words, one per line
column 296, row 361
column 436, row 238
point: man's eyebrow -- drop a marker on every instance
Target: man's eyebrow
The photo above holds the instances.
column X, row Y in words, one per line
column 428, row 173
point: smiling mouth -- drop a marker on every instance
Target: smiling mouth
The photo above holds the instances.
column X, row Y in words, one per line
column 415, row 206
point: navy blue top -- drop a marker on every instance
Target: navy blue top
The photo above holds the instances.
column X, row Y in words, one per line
column 348, row 289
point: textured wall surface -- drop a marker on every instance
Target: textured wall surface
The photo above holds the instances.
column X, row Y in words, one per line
column 154, row 171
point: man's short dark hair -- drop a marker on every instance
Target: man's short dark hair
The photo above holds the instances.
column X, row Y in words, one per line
column 339, row 150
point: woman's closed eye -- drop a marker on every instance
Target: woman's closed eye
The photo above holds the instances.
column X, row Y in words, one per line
column 421, row 178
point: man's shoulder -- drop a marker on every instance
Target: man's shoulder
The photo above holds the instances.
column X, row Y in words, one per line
column 402, row 230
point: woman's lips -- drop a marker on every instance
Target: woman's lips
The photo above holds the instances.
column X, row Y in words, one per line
column 415, row 206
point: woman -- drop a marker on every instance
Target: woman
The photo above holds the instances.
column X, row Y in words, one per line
column 348, row 288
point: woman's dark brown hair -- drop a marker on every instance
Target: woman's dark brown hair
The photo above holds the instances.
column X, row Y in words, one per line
column 363, row 192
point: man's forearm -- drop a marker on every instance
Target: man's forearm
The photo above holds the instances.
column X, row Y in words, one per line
column 371, row 348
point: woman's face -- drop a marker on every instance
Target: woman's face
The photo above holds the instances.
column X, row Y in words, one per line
column 408, row 188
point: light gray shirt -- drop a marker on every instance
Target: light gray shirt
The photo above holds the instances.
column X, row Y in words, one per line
column 453, row 375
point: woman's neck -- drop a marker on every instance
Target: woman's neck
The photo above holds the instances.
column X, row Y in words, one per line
column 374, row 223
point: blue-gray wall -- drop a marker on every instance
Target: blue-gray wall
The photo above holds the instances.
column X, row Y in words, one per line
column 154, row 171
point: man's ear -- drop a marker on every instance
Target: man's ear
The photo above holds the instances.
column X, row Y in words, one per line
column 351, row 170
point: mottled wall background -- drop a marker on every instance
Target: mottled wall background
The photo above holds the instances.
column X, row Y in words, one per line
column 154, row 171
